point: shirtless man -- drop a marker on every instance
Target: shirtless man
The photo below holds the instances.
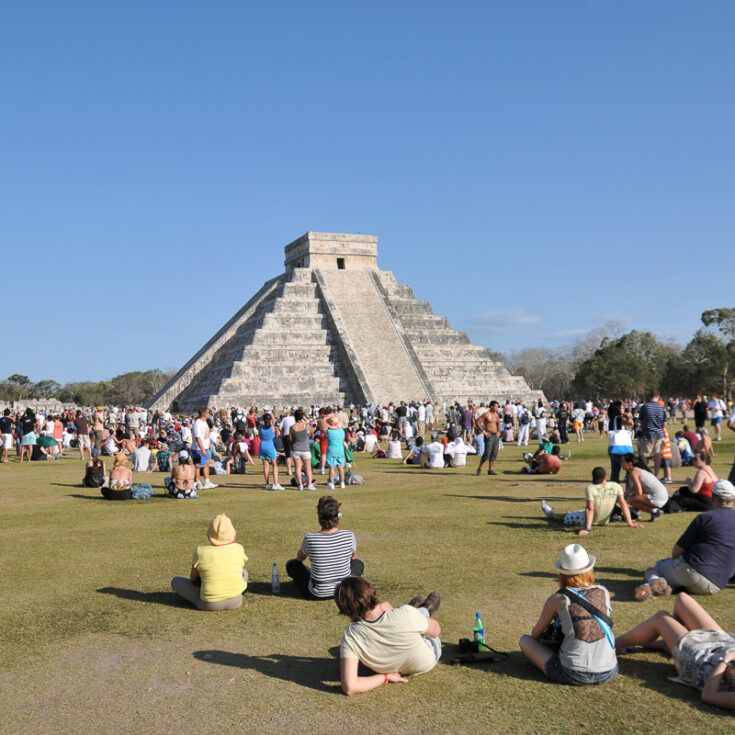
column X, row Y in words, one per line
column 489, row 425
column 181, row 483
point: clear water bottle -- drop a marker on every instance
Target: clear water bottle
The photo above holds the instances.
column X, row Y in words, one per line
column 478, row 631
column 275, row 580
column 569, row 454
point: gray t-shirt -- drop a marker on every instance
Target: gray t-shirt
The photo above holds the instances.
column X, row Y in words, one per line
column 652, row 487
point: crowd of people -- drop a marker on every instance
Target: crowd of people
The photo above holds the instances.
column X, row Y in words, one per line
column 302, row 444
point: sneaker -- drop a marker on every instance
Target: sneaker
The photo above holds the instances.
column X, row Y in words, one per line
column 321, row 471
column 193, row 494
column 342, row 485
column 546, row 508
column 277, row 487
column 198, row 485
column 417, row 601
column 667, row 481
column 311, row 487
column 330, row 486
column 478, row 472
column 635, row 515
column 492, row 472
column 432, row 602
column 656, row 513
column 209, row 485
column 268, row 487
column 301, row 488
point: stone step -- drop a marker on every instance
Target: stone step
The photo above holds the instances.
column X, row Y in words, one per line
column 263, row 370
column 301, row 275
column 298, row 338
column 416, row 323
column 404, row 307
column 298, row 290
column 290, row 354
column 303, row 386
column 293, row 322
column 296, row 306
column 420, row 338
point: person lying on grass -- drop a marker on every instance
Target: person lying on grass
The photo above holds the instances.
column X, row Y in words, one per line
column 605, row 502
column 587, row 651
column 704, row 654
column 218, row 576
column 395, row 643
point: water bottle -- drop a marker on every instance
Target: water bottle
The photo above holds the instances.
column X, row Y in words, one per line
column 275, row 580
column 478, row 631
column 569, row 454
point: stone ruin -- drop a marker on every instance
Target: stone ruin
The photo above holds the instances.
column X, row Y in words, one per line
column 335, row 329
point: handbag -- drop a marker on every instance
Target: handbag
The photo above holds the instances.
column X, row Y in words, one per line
column 621, row 441
column 552, row 635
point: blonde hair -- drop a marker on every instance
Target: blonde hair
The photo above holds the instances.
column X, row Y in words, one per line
column 585, row 579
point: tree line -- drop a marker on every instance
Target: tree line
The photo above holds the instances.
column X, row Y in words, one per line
column 134, row 388
column 609, row 364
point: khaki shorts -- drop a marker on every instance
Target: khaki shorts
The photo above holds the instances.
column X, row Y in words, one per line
column 83, row 441
column 679, row 574
column 650, row 447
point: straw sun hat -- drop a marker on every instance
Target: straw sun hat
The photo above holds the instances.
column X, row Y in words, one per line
column 575, row 560
column 221, row 531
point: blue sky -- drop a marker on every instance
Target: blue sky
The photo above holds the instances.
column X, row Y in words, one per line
column 533, row 169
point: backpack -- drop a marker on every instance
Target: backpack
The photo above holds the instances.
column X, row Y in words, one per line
column 352, row 478
column 525, row 419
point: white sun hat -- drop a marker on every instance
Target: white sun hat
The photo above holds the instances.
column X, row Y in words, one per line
column 575, row 560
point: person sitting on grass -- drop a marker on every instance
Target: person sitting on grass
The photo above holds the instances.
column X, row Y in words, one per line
column 432, row 455
column 121, row 480
column 543, row 462
column 393, row 642
column 703, row 559
column 332, row 552
column 457, row 452
column 605, row 501
column 704, row 654
column 413, row 456
column 95, row 472
column 182, row 482
column 218, row 576
column 587, row 652
column 696, row 494
column 644, row 491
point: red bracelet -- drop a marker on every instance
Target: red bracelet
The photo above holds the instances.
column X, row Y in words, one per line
column 385, row 681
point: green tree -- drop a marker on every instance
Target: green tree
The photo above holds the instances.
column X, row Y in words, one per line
column 46, row 389
column 624, row 368
column 723, row 320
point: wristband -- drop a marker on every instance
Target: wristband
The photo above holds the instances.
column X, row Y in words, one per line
column 723, row 660
column 589, row 530
column 385, row 681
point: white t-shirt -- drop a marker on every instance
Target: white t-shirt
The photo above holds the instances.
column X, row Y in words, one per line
column 393, row 642
column 731, row 420
column 286, row 424
column 435, row 450
column 421, row 413
column 201, row 431
column 370, row 441
column 716, row 407
column 141, row 459
column 458, row 451
column 394, row 450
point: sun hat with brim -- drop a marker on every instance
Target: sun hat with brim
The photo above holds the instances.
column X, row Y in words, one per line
column 221, row 531
column 575, row 560
column 724, row 489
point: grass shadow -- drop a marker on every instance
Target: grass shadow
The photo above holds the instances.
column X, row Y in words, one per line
column 514, row 524
column 306, row 671
column 507, row 498
column 161, row 598
column 288, row 589
column 428, row 471
column 620, row 590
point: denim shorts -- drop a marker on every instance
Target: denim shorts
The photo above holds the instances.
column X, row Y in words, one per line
column 560, row 675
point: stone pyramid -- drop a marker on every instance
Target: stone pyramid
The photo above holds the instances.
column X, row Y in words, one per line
column 334, row 328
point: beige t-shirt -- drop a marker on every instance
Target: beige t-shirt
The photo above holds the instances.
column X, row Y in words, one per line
column 605, row 497
column 393, row 642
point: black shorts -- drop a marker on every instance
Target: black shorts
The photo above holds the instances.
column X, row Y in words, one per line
column 492, row 443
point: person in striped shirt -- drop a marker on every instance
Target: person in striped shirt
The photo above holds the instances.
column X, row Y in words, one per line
column 331, row 551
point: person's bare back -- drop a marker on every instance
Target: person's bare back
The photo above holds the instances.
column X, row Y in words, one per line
column 183, row 476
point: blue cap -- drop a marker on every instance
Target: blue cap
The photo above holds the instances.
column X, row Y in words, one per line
column 477, row 615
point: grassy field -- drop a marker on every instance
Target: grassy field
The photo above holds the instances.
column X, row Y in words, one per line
column 94, row 641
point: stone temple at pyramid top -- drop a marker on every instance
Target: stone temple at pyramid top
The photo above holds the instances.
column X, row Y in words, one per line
column 335, row 329
column 333, row 250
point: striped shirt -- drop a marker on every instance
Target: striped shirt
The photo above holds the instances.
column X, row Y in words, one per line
column 330, row 555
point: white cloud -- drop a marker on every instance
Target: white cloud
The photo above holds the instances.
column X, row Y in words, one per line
column 502, row 321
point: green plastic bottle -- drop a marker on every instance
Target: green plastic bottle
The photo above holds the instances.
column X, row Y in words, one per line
column 479, row 631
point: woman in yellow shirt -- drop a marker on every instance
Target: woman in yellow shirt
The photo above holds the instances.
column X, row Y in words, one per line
column 218, row 575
